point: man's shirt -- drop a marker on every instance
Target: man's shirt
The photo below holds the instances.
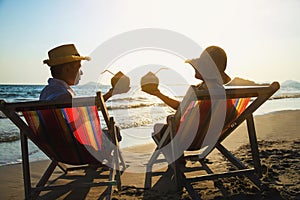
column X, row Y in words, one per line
column 56, row 89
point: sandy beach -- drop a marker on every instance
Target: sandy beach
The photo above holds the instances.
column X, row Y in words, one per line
column 279, row 144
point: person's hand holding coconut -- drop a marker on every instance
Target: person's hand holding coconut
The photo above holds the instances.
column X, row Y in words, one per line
column 149, row 84
column 120, row 83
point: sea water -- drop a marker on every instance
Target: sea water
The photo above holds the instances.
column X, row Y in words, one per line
column 134, row 110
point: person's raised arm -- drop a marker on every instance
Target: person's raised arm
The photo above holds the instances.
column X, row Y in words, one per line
column 113, row 91
column 108, row 94
column 120, row 84
column 149, row 84
column 167, row 100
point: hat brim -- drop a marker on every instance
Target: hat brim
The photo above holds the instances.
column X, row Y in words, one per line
column 192, row 61
column 189, row 61
column 66, row 59
column 224, row 76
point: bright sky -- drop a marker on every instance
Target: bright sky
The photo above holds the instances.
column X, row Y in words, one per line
column 261, row 37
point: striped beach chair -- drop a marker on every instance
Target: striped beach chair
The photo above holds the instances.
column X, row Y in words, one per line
column 200, row 125
column 70, row 134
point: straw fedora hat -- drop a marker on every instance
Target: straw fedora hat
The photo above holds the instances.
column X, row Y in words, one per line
column 217, row 55
column 63, row 54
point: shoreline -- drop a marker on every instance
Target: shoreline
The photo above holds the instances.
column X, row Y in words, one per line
column 276, row 132
column 137, row 134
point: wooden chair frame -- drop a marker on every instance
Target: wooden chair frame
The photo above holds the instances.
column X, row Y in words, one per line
column 260, row 94
column 11, row 110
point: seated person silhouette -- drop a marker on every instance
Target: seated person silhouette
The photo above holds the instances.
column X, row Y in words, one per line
column 210, row 69
column 65, row 66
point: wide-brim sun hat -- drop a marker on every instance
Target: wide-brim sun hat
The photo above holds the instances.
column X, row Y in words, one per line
column 64, row 54
column 215, row 54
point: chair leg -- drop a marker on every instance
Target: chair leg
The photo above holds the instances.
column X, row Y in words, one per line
column 117, row 166
column 148, row 178
column 254, row 145
column 181, row 181
column 237, row 163
column 116, row 138
column 45, row 178
column 180, row 178
column 47, row 174
column 121, row 159
column 175, row 165
column 217, row 182
column 116, row 154
column 25, row 165
column 230, row 156
column 191, row 191
column 29, row 194
column 109, row 187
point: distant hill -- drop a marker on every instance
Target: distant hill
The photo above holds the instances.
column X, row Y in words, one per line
column 243, row 82
column 238, row 81
column 291, row 84
column 91, row 84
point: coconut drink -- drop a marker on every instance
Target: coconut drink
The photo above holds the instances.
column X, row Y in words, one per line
column 149, row 82
column 120, row 82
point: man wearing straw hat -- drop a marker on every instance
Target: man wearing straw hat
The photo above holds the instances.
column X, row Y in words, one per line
column 65, row 63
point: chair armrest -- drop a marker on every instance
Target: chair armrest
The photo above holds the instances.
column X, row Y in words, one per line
column 169, row 118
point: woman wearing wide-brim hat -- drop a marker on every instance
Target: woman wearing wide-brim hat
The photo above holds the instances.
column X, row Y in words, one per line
column 209, row 67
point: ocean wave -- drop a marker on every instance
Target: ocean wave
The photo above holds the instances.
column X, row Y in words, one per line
column 9, row 137
column 139, row 123
column 129, row 99
column 137, row 105
column 9, row 95
column 285, row 96
column 11, row 162
column 2, row 116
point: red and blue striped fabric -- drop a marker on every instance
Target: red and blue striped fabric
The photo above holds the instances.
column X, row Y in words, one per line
column 198, row 116
column 69, row 134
